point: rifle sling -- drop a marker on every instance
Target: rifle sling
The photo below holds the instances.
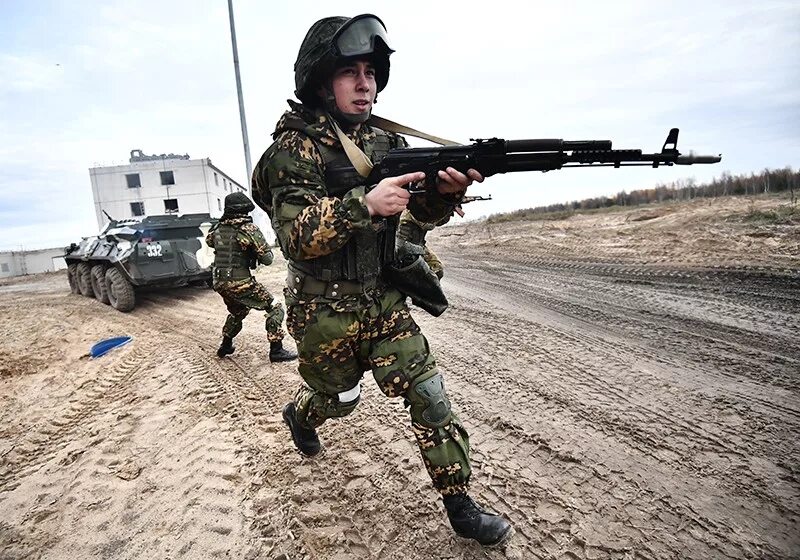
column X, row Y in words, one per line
column 356, row 155
column 391, row 126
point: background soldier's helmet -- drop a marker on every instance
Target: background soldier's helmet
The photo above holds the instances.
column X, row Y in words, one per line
column 238, row 203
column 332, row 39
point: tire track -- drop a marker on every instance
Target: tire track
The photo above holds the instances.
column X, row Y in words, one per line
column 39, row 444
column 573, row 479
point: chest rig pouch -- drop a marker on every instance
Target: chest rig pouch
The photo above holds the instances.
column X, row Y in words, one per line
column 228, row 254
column 363, row 257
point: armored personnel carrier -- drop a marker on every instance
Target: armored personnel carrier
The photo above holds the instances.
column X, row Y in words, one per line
column 150, row 252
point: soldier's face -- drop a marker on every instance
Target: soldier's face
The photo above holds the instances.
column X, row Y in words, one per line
column 354, row 87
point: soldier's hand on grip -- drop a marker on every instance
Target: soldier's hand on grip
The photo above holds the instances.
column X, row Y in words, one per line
column 389, row 197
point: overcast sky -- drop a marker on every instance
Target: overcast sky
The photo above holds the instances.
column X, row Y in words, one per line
column 83, row 83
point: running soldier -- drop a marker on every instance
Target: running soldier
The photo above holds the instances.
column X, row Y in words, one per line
column 238, row 246
column 337, row 234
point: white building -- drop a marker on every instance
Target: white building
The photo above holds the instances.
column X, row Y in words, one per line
column 160, row 184
column 19, row 263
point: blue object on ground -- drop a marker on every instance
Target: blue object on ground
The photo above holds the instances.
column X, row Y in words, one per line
column 105, row 346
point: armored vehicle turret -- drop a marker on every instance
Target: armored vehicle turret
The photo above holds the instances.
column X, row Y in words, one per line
column 150, row 252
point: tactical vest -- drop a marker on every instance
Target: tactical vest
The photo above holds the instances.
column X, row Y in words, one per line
column 362, row 258
column 228, row 252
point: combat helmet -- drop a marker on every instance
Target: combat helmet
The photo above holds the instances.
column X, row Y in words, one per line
column 334, row 39
column 238, row 203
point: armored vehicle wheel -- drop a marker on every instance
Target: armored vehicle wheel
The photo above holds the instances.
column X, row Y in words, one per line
column 99, row 286
column 73, row 279
column 84, row 277
column 120, row 292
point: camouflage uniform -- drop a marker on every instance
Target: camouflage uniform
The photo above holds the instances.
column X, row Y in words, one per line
column 241, row 294
column 344, row 317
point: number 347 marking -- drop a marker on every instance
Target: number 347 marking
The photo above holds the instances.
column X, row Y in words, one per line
column 154, row 250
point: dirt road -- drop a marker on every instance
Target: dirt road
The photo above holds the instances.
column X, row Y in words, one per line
column 630, row 383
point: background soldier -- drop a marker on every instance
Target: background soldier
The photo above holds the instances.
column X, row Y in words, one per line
column 337, row 235
column 238, row 246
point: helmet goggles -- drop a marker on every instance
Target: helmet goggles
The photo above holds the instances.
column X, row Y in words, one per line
column 360, row 35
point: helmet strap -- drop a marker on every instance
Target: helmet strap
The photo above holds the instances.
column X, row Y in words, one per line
column 345, row 119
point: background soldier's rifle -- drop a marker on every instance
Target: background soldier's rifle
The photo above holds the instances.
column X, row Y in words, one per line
column 467, row 200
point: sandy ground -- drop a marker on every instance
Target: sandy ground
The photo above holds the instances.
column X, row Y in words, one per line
column 630, row 382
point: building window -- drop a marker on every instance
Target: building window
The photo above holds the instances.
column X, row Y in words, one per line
column 216, row 179
column 171, row 205
column 133, row 180
column 3, row 267
column 167, row 178
column 137, row 208
column 219, row 204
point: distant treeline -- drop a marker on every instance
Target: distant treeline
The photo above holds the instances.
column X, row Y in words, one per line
column 768, row 181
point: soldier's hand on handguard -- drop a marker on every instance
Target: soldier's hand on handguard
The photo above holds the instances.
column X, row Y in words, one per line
column 389, row 197
column 453, row 181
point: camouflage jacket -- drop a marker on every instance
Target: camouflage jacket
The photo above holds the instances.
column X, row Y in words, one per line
column 250, row 239
column 289, row 184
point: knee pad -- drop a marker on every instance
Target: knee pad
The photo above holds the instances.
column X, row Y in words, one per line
column 429, row 403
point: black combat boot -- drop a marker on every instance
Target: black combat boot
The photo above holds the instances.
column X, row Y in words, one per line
column 471, row 521
column 277, row 353
column 305, row 439
column 226, row 347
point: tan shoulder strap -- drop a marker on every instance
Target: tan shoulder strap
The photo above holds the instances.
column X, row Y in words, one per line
column 391, row 126
column 356, row 155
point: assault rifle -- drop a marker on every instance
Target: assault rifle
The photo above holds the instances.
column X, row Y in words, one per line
column 495, row 155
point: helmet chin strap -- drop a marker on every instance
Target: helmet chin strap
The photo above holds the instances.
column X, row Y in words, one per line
column 341, row 116
column 354, row 118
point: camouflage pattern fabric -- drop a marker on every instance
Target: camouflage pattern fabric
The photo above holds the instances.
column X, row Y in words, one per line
column 240, row 296
column 339, row 339
column 433, row 262
column 335, row 349
column 414, row 231
column 251, row 239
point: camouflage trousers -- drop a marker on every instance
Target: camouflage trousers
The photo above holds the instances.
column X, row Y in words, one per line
column 240, row 296
column 338, row 343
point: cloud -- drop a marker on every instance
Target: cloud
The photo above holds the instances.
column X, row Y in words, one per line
column 28, row 73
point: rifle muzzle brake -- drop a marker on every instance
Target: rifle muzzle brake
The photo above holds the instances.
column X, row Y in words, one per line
column 691, row 158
